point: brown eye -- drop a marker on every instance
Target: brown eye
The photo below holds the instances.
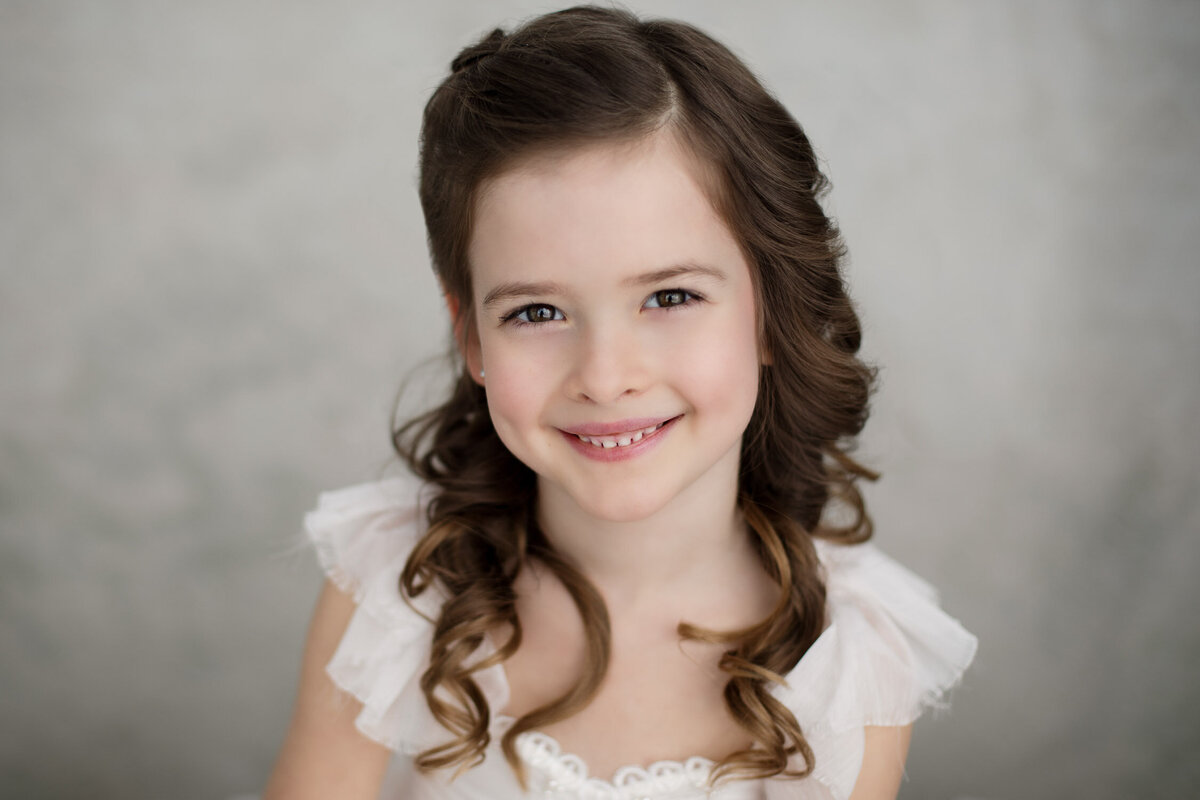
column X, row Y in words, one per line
column 668, row 298
column 539, row 312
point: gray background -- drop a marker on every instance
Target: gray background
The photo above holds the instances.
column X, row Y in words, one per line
column 214, row 279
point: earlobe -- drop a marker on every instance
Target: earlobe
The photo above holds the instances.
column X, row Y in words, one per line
column 472, row 353
column 466, row 337
column 451, row 306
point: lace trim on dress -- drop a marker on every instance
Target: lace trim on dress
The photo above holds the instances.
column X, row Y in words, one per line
column 559, row 774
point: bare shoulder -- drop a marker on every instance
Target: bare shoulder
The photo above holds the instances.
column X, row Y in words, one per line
column 884, row 753
column 323, row 754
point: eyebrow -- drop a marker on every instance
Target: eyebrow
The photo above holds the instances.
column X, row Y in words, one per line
column 687, row 270
column 514, row 289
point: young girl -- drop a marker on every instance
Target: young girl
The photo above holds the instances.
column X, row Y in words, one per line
column 617, row 571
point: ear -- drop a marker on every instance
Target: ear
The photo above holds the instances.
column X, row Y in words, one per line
column 466, row 337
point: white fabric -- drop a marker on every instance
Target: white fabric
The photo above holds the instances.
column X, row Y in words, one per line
column 887, row 653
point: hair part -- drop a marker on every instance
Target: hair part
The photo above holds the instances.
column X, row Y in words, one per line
column 591, row 75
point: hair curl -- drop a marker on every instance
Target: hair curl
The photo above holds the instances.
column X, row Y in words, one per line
column 587, row 75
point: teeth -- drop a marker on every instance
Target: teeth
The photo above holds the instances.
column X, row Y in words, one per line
column 620, row 441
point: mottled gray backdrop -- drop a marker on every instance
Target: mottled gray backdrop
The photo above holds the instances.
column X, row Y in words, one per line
column 214, row 279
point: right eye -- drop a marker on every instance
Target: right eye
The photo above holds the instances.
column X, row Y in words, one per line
column 534, row 314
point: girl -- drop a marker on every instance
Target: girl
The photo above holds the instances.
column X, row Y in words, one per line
column 616, row 573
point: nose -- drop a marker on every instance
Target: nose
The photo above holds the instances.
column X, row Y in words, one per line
column 610, row 364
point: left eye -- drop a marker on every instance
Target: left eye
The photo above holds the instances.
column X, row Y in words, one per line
column 668, row 298
column 533, row 314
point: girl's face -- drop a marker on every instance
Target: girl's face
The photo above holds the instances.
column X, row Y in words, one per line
column 615, row 321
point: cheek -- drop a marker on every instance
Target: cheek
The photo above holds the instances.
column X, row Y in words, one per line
column 511, row 413
column 722, row 364
column 518, row 382
column 508, row 395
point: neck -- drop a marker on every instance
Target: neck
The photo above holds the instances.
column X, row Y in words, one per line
column 696, row 538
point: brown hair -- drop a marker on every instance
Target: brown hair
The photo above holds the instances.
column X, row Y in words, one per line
column 587, row 75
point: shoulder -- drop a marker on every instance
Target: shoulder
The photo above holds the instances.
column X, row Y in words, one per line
column 354, row 680
column 323, row 754
column 363, row 536
column 888, row 652
column 358, row 531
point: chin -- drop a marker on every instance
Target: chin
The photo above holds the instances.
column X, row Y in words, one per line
column 622, row 506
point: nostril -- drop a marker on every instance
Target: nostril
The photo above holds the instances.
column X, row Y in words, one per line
column 609, row 366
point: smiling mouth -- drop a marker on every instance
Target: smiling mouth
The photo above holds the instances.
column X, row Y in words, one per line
column 624, row 439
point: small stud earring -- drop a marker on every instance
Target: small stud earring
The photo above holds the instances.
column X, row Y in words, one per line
column 481, row 373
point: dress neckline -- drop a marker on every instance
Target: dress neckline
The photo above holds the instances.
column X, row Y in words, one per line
column 568, row 772
column 564, row 771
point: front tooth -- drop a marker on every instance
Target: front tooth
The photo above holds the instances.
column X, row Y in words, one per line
column 609, row 444
column 624, row 441
column 637, row 437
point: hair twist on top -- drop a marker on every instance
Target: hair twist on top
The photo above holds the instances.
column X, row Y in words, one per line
column 476, row 52
column 588, row 75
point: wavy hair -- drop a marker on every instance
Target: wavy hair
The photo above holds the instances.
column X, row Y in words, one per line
column 588, row 75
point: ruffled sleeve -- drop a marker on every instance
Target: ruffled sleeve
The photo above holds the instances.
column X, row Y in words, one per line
column 888, row 653
column 363, row 536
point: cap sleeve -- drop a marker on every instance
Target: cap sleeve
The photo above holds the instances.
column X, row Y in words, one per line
column 888, row 653
column 363, row 536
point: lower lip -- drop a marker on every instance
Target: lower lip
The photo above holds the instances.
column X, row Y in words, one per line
column 608, row 454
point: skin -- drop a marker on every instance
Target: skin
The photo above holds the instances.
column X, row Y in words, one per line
column 324, row 755
column 607, row 290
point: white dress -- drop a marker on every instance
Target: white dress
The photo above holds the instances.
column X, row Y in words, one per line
column 887, row 653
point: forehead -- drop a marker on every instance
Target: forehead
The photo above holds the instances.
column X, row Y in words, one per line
column 599, row 210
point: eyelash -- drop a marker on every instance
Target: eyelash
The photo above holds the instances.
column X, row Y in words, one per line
column 689, row 298
column 514, row 317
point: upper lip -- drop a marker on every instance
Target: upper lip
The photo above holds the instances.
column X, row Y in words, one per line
column 620, row 426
